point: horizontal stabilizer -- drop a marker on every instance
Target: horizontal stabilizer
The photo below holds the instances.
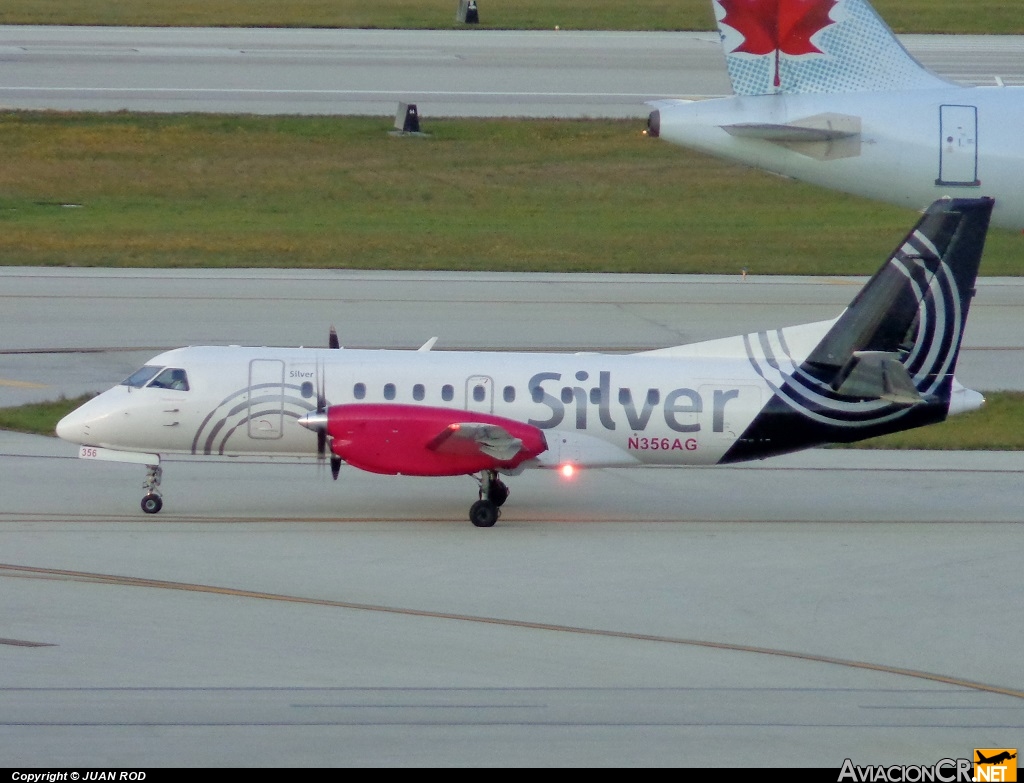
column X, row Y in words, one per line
column 490, row 439
column 879, row 375
column 826, row 136
column 820, row 127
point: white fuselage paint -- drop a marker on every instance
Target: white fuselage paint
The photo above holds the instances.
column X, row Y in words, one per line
column 902, row 142
column 678, row 406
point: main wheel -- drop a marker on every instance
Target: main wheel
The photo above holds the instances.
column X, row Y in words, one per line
column 152, row 503
column 498, row 493
column 483, row 513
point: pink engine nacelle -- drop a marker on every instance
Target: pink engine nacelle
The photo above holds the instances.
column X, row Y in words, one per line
column 415, row 440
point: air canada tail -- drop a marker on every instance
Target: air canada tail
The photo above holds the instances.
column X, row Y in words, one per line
column 887, row 362
column 814, row 46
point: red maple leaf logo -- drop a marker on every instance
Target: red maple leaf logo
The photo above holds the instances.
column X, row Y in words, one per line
column 779, row 26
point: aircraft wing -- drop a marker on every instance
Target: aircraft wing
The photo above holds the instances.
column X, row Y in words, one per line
column 467, row 437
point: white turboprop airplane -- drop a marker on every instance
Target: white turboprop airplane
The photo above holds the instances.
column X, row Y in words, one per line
column 825, row 93
column 885, row 364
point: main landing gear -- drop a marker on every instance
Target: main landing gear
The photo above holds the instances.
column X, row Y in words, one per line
column 152, row 502
column 493, row 494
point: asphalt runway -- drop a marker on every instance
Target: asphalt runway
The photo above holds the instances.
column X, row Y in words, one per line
column 446, row 73
column 792, row 612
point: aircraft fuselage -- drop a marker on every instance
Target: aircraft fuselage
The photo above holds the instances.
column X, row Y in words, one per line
column 595, row 409
column 907, row 148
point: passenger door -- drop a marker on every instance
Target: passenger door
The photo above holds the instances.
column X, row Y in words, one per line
column 266, row 399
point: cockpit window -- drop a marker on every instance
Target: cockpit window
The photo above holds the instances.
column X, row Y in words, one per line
column 141, row 377
column 171, row 378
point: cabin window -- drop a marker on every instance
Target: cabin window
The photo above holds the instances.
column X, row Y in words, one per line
column 172, row 378
column 306, row 390
column 447, row 392
column 479, row 393
column 418, row 392
column 359, row 391
column 509, row 394
column 389, row 391
column 141, row 377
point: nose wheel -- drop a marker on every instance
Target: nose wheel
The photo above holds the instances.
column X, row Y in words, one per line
column 152, row 502
column 493, row 494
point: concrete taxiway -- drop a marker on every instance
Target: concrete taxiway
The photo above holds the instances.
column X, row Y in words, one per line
column 488, row 73
column 71, row 331
column 793, row 612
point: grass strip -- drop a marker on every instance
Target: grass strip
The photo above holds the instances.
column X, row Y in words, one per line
column 156, row 190
column 997, row 426
column 39, row 418
column 917, row 16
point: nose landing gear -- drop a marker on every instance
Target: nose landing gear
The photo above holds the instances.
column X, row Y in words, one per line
column 152, row 502
column 493, row 494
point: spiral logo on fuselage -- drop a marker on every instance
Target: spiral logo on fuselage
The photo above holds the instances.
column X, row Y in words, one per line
column 247, row 404
column 929, row 360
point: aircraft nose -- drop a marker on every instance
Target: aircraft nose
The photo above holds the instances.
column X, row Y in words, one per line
column 74, row 427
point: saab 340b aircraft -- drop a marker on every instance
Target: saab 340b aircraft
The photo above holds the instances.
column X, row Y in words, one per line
column 885, row 364
column 825, row 93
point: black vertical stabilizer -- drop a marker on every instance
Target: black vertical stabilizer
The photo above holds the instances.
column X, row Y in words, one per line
column 951, row 234
column 887, row 363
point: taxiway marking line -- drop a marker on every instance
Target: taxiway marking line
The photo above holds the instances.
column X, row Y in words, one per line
column 131, row 581
column 21, row 384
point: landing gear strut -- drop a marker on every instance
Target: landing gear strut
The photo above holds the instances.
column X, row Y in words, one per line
column 493, row 493
column 152, row 502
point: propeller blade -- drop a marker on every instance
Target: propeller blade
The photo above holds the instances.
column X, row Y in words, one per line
column 321, row 410
column 321, row 395
column 318, row 419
